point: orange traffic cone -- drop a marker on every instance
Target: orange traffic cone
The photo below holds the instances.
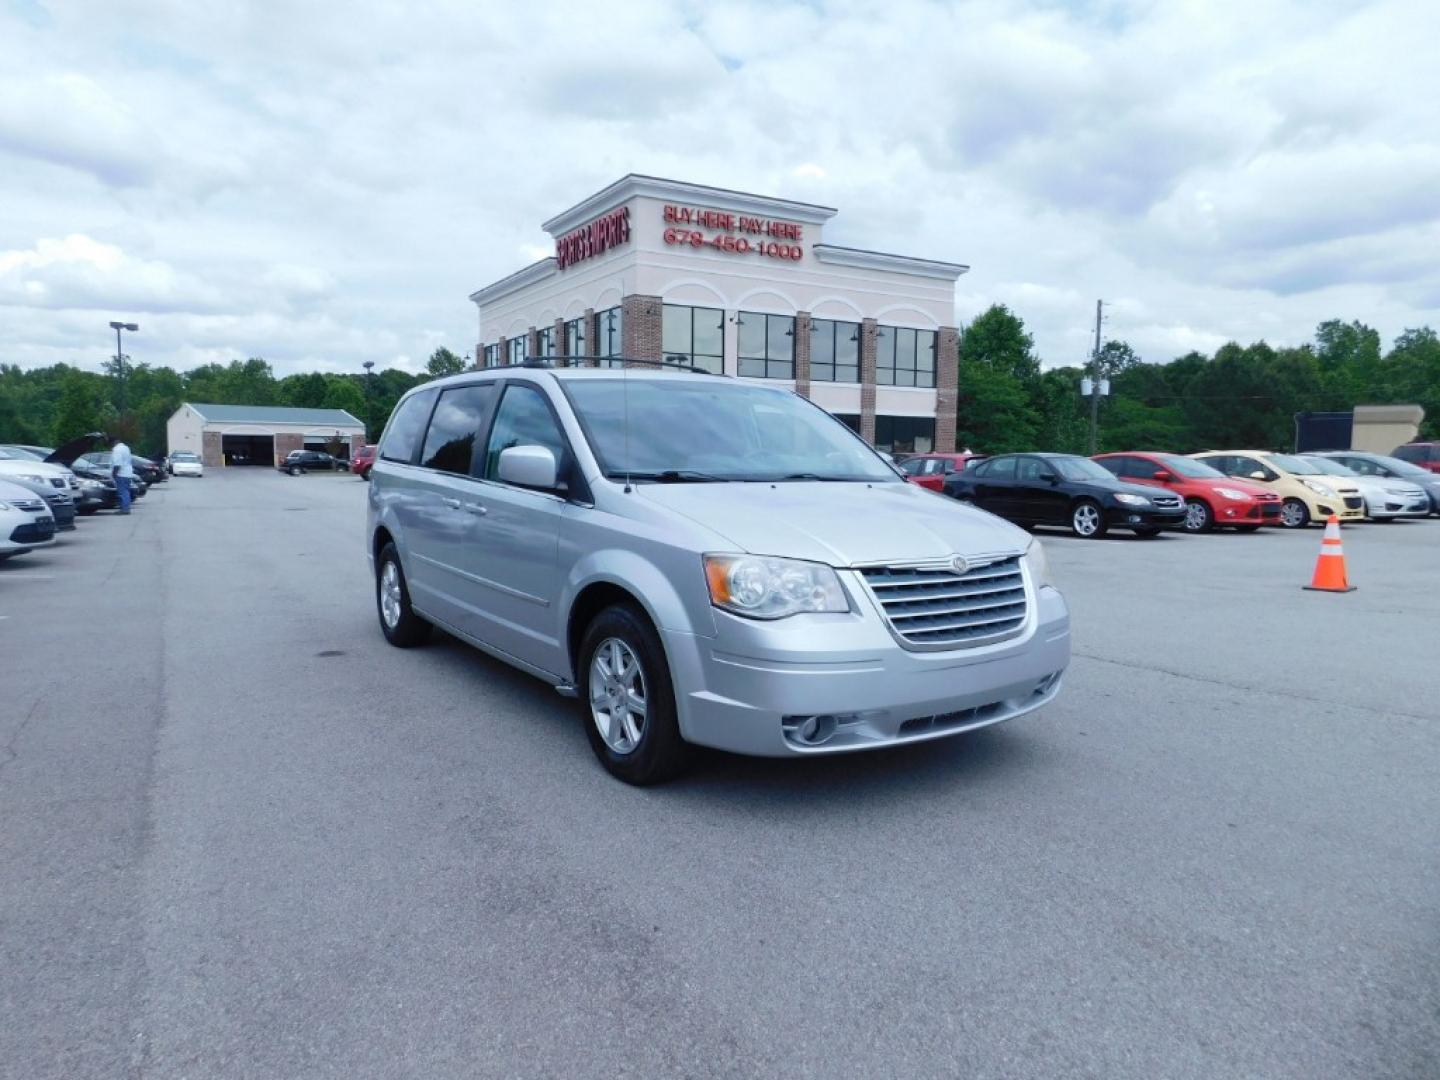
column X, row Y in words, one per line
column 1330, row 567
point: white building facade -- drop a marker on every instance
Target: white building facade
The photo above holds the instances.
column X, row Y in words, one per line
column 745, row 285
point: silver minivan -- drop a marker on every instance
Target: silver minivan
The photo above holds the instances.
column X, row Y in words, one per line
column 703, row 561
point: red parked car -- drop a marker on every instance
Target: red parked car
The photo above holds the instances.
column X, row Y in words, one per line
column 1211, row 497
column 362, row 462
column 1424, row 454
column 930, row 470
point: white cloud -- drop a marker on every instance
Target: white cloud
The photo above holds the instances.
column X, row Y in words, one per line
column 279, row 180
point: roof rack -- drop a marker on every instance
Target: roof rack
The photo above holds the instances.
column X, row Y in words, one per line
column 548, row 362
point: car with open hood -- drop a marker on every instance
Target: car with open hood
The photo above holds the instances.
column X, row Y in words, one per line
column 1307, row 493
column 703, row 561
column 1065, row 489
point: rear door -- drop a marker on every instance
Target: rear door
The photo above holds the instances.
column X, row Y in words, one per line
column 995, row 487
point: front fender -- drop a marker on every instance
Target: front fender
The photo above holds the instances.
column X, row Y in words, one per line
column 652, row 585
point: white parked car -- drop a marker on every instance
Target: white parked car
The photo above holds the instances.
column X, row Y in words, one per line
column 184, row 463
column 1386, row 497
column 25, row 521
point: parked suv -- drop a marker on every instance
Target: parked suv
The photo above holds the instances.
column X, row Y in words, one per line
column 1424, row 454
column 1211, row 498
column 703, row 561
column 1307, row 494
column 299, row 461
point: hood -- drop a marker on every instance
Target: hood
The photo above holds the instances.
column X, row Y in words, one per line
column 841, row 524
column 67, row 453
column 10, row 468
column 1384, row 484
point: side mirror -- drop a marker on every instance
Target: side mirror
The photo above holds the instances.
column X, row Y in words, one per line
column 527, row 466
column 1163, row 476
column 1258, row 475
column 1050, row 477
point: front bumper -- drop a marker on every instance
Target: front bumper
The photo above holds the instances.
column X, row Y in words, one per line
column 1398, row 506
column 1128, row 517
column 753, row 687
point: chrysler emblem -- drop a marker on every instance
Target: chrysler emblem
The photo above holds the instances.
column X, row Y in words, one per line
column 959, row 565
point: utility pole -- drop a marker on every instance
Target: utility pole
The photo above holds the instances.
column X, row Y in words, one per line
column 1095, row 382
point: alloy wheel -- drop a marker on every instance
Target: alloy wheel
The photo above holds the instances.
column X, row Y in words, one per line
column 390, row 595
column 1196, row 517
column 618, row 702
column 1292, row 514
column 1086, row 519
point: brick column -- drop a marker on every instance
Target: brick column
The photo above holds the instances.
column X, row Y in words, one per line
column 592, row 337
column 479, row 356
column 641, row 327
column 559, row 333
column 502, row 352
column 802, row 353
column 211, row 455
column 947, row 387
column 868, row 327
column 284, row 443
column 531, row 345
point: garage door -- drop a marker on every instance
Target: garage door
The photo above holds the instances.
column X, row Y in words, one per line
column 248, row 450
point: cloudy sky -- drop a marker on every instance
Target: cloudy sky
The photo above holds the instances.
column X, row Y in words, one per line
column 322, row 184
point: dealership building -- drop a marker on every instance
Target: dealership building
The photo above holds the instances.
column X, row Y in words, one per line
column 258, row 434
column 743, row 285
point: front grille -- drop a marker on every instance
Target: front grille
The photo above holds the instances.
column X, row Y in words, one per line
column 1270, row 510
column 57, row 481
column 1353, row 502
column 30, row 506
column 35, row 533
column 929, row 606
column 1166, row 502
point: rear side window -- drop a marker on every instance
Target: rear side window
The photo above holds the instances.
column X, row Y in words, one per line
column 1114, row 465
column 523, row 419
column 1140, row 468
column 1410, row 453
column 1000, row 469
column 455, row 427
column 402, row 434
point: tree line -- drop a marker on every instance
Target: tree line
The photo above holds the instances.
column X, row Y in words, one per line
column 49, row 405
column 1243, row 395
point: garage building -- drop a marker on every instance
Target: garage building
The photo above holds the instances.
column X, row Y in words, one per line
column 259, row 434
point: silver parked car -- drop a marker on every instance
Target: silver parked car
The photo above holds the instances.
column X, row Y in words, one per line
column 1385, row 467
column 703, row 561
column 1386, row 498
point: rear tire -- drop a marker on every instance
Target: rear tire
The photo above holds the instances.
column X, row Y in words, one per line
column 398, row 621
column 1087, row 520
column 628, row 700
column 1294, row 514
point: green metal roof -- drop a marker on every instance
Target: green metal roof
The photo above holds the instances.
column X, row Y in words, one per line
column 274, row 414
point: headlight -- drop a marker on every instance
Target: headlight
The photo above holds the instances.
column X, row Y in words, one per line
column 1234, row 494
column 1319, row 488
column 759, row 587
column 1039, row 564
column 1125, row 498
column 6, row 506
column 28, row 478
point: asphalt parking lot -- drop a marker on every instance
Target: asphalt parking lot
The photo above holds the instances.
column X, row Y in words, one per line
column 242, row 837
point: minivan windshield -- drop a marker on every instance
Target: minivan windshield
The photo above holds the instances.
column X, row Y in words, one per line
column 678, row 431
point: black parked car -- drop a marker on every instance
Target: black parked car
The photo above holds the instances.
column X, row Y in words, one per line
column 299, row 461
column 145, row 469
column 1064, row 489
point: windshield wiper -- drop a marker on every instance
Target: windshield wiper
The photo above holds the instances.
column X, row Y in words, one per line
column 817, row 476
column 669, row 476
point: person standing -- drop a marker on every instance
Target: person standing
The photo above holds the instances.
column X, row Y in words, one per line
column 122, row 469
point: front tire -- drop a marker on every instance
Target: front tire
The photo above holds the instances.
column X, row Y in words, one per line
column 398, row 621
column 1087, row 520
column 628, row 699
column 1199, row 518
column 1294, row 514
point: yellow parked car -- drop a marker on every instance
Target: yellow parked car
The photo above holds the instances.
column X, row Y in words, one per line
column 1308, row 494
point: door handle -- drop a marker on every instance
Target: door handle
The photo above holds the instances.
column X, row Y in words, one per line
column 453, row 504
column 476, row 508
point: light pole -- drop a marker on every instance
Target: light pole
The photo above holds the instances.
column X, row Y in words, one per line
column 369, row 400
column 120, row 355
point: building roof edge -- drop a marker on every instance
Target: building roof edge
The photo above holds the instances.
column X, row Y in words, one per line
column 637, row 184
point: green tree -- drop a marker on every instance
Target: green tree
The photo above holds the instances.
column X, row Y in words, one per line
column 997, row 339
column 303, row 391
column 80, row 408
column 443, row 362
column 342, row 393
column 995, row 414
column 1413, row 374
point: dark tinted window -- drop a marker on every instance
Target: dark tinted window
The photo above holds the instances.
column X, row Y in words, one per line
column 524, row 419
column 1139, row 468
column 402, row 434
column 1410, row 453
column 1000, row 469
column 454, row 427
column 912, row 466
column 1113, row 464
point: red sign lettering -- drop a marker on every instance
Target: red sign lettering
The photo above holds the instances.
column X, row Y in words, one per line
column 723, row 222
column 599, row 236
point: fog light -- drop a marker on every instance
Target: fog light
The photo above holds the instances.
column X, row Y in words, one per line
column 810, row 730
